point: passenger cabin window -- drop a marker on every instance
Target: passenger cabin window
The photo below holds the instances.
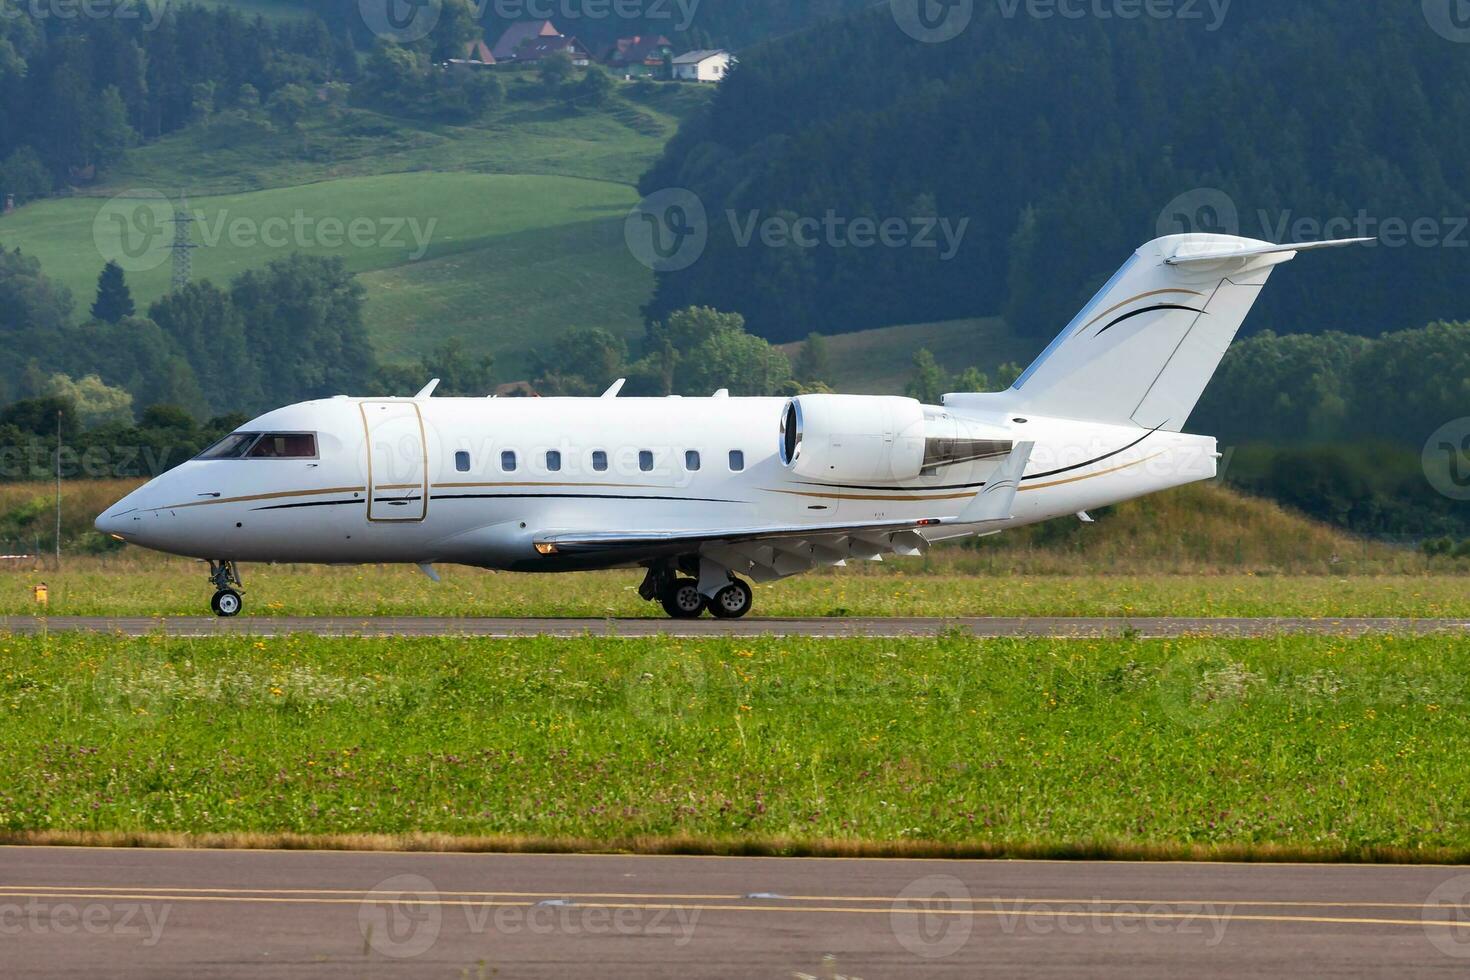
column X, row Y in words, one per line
column 508, row 461
column 645, row 461
column 691, row 461
column 599, row 461
column 284, row 445
column 462, row 462
column 737, row 461
column 553, row 462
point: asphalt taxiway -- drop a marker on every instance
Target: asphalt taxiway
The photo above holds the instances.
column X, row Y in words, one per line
column 67, row 912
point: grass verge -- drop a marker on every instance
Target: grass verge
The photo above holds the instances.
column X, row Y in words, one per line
column 1282, row 749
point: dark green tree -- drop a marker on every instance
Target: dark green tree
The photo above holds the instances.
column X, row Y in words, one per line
column 812, row 364
column 114, row 300
column 209, row 332
column 304, row 327
column 929, row 382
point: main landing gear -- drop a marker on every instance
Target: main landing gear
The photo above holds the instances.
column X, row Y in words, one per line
column 682, row 598
column 225, row 577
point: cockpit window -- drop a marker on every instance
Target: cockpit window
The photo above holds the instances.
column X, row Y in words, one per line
column 284, row 445
column 233, row 446
column 263, row 445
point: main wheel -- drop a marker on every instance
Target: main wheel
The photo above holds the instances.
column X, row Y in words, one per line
column 733, row 601
column 226, row 603
column 683, row 600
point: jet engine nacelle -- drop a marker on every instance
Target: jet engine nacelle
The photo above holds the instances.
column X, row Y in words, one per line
column 853, row 438
column 873, row 439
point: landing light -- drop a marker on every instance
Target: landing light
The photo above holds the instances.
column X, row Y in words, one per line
column 546, row 549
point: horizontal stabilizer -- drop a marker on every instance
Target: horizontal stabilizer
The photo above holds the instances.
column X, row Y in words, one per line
column 1188, row 255
column 1143, row 350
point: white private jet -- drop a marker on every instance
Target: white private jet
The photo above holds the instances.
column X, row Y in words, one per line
column 705, row 492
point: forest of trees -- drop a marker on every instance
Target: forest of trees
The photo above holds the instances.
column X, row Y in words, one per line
column 290, row 330
column 1063, row 141
column 75, row 93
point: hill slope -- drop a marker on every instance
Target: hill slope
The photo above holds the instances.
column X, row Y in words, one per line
column 500, row 234
column 1066, row 143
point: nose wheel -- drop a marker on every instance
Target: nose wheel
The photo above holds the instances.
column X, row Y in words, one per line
column 225, row 577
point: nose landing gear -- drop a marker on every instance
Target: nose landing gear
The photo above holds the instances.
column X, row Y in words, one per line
column 225, row 577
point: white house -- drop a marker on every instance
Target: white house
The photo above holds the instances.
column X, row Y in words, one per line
column 702, row 66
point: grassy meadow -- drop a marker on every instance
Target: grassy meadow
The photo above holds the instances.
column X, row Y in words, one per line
column 1309, row 748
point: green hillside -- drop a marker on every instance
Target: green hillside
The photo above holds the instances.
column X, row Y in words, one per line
column 1065, row 143
column 499, row 234
column 880, row 362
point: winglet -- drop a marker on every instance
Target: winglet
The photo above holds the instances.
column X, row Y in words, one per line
column 428, row 391
column 617, row 386
column 997, row 501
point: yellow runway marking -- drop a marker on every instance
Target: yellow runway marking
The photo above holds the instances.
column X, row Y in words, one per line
column 168, row 891
column 784, row 909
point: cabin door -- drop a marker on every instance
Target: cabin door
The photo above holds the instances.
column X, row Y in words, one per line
column 398, row 462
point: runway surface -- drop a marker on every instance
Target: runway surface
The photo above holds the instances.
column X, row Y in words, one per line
column 149, row 913
column 508, row 628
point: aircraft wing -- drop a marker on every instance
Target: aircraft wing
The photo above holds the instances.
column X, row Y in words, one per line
column 580, row 542
column 766, row 554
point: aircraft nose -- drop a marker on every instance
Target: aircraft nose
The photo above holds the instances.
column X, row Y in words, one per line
column 111, row 520
column 119, row 518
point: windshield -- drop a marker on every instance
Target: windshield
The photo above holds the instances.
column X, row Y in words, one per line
column 232, row 446
column 263, row 445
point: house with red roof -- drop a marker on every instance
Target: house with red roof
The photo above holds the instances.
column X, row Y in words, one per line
column 639, row 56
column 519, row 33
column 536, row 49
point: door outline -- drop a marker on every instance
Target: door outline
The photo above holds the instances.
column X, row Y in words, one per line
column 372, row 488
